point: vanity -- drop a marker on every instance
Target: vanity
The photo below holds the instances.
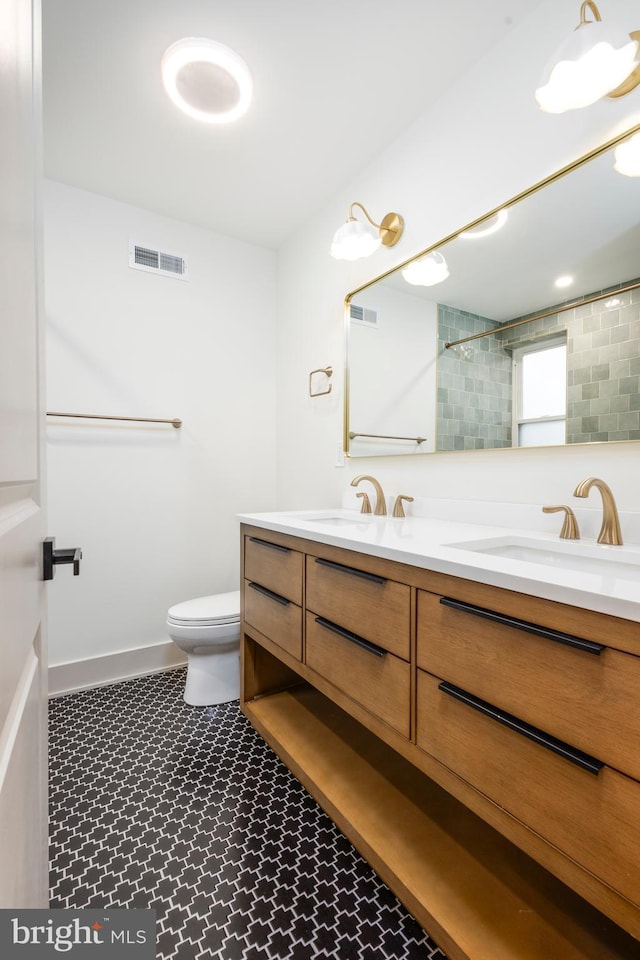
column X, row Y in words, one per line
column 475, row 737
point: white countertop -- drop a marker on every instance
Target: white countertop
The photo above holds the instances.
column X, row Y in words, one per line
column 605, row 578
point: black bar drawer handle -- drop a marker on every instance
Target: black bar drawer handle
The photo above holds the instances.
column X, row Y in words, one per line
column 267, row 543
column 270, row 594
column 352, row 570
column 588, row 646
column 352, row 637
column 583, row 760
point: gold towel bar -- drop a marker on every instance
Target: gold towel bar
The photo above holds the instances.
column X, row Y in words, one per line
column 94, row 416
column 384, row 436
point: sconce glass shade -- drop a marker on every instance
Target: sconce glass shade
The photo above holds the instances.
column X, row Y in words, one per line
column 207, row 80
column 427, row 271
column 627, row 157
column 354, row 240
column 592, row 62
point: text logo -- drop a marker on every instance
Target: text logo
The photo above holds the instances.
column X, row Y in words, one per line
column 80, row 934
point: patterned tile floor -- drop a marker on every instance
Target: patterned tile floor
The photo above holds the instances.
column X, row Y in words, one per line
column 185, row 809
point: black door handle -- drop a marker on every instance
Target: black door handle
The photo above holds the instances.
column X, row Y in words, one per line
column 51, row 557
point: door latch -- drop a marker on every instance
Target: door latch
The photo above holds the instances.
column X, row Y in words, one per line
column 51, row 557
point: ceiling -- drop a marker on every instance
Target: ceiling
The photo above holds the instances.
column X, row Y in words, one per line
column 553, row 231
column 334, row 82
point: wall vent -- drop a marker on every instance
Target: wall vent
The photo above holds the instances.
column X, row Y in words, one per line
column 363, row 315
column 155, row 261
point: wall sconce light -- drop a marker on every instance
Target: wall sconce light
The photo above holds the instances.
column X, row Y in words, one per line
column 627, row 157
column 355, row 239
column 427, row 271
column 597, row 60
column 206, row 80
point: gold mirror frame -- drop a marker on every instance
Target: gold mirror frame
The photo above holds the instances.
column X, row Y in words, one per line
column 604, row 148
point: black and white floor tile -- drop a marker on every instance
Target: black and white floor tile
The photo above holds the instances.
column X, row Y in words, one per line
column 185, row 809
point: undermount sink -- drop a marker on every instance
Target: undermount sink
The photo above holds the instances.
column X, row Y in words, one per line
column 606, row 561
column 334, row 520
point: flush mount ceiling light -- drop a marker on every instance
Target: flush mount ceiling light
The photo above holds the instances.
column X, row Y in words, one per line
column 564, row 281
column 427, row 271
column 355, row 239
column 485, row 229
column 597, row 60
column 627, row 157
column 207, row 80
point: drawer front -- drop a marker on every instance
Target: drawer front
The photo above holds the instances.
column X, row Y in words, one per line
column 276, row 617
column 374, row 678
column 583, row 696
column 594, row 819
column 370, row 606
column 275, row 567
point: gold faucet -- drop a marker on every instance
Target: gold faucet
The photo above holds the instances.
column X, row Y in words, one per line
column 381, row 506
column 398, row 509
column 610, row 529
column 570, row 530
column 366, row 503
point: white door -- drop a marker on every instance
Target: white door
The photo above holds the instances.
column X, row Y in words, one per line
column 23, row 782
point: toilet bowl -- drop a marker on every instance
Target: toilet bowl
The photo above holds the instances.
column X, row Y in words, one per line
column 207, row 629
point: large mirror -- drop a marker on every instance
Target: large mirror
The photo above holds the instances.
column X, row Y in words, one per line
column 458, row 366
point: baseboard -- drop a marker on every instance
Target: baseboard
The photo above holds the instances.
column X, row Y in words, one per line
column 110, row 668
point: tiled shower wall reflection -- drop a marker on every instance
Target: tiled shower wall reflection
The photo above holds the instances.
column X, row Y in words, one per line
column 603, row 373
column 474, row 385
column 603, row 360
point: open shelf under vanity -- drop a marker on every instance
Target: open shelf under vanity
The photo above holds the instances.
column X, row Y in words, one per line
column 475, row 893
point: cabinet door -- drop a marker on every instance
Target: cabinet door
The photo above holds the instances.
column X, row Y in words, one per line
column 593, row 817
column 580, row 691
column 276, row 567
column 368, row 674
column 369, row 605
column 274, row 616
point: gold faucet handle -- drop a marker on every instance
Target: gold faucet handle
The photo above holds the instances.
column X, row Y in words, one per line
column 398, row 509
column 569, row 529
column 366, row 503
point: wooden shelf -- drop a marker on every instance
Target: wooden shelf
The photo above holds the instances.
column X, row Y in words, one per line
column 477, row 895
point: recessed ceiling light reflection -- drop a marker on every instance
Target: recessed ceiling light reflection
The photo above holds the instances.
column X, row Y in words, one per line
column 487, row 227
column 564, row 281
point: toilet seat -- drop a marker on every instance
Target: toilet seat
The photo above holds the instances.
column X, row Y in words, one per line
column 221, row 608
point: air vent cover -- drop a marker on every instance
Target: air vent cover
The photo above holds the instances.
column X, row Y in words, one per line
column 363, row 315
column 156, row 261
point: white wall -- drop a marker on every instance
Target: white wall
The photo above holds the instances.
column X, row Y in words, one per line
column 152, row 507
column 482, row 143
column 392, row 372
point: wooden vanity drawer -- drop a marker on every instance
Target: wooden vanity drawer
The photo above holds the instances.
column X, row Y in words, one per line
column 371, row 606
column 594, row 819
column 276, row 567
column 579, row 691
column 372, row 677
column 275, row 616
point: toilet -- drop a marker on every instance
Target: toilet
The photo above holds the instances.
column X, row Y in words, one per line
column 208, row 630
